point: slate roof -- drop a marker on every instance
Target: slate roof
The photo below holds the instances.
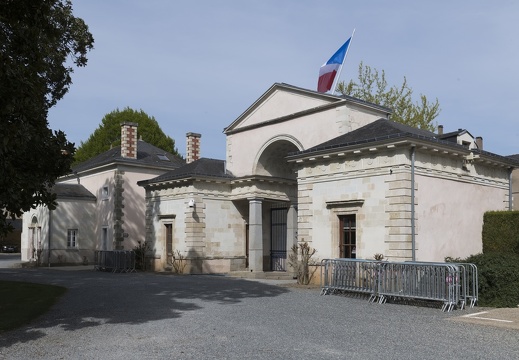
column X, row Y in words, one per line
column 381, row 129
column 204, row 167
column 384, row 130
column 147, row 154
column 72, row 191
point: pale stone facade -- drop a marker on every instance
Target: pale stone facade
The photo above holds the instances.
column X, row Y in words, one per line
column 449, row 203
column 299, row 162
column 301, row 166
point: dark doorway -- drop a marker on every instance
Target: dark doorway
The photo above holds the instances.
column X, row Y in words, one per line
column 278, row 239
column 247, row 246
column 169, row 243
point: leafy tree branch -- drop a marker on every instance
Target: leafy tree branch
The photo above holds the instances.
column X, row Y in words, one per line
column 372, row 86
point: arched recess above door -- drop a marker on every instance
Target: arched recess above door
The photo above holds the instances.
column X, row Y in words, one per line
column 271, row 159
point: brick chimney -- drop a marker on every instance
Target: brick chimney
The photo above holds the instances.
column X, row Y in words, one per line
column 440, row 129
column 193, row 147
column 129, row 140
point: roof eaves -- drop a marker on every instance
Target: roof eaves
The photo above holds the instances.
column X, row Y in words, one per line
column 399, row 137
column 185, row 177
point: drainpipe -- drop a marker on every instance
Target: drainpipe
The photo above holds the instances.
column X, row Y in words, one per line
column 48, row 240
column 413, row 238
column 510, row 170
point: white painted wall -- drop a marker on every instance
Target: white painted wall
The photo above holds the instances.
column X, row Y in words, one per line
column 134, row 202
column 306, row 131
column 450, row 216
column 77, row 214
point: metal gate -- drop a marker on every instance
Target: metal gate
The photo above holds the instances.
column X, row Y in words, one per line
column 278, row 238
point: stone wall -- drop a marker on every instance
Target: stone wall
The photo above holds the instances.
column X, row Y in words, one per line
column 209, row 235
column 375, row 185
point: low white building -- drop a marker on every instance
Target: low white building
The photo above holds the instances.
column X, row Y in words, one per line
column 333, row 171
column 100, row 205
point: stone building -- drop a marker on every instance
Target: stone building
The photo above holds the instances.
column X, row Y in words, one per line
column 332, row 171
column 100, row 206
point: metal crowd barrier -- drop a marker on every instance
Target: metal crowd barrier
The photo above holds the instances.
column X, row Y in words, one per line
column 453, row 284
column 115, row 261
column 468, row 282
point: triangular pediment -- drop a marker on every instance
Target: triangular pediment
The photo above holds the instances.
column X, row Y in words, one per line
column 278, row 102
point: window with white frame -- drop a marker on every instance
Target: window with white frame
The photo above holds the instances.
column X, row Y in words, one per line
column 72, row 238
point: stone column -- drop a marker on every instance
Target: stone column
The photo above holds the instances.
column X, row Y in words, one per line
column 255, row 235
column 291, row 231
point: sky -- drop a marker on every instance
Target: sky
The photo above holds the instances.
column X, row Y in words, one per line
column 196, row 66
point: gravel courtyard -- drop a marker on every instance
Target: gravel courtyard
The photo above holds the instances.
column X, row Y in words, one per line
column 154, row 316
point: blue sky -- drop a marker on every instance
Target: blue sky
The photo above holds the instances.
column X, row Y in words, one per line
column 197, row 65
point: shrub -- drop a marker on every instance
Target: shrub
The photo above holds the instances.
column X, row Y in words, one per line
column 498, row 278
column 140, row 254
column 300, row 259
column 501, row 231
column 179, row 263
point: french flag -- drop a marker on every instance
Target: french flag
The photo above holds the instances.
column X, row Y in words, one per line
column 330, row 68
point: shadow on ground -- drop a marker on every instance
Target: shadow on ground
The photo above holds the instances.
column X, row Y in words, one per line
column 97, row 298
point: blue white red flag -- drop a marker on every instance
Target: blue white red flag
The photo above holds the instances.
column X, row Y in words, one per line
column 329, row 69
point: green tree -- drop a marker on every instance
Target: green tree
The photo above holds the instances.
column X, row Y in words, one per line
column 40, row 41
column 372, row 86
column 108, row 134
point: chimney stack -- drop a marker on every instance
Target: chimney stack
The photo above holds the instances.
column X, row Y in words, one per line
column 479, row 142
column 440, row 129
column 129, row 140
column 193, row 147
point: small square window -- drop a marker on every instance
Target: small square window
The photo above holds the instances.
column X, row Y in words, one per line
column 105, row 193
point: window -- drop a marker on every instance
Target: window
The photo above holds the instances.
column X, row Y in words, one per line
column 163, row 157
column 104, row 238
column 72, row 238
column 348, row 238
column 105, row 193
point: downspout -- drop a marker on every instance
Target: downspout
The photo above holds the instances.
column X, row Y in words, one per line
column 48, row 241
column 510, row 197
column 413, row 238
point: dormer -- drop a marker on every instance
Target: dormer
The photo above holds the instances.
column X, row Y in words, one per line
column 461, row 137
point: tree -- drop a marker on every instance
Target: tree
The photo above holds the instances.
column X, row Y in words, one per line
column 40, row 41
column 373, row 87
column 108, row 134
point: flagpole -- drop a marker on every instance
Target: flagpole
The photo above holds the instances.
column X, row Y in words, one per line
column 340, row 69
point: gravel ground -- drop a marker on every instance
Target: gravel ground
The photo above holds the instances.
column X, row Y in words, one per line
column 153, row 316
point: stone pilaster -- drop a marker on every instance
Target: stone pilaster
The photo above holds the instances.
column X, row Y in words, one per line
column 399, row 230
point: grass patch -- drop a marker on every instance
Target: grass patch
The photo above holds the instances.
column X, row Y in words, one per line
column 21, row 302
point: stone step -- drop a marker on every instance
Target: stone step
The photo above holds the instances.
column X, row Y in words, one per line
column 270, row 275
